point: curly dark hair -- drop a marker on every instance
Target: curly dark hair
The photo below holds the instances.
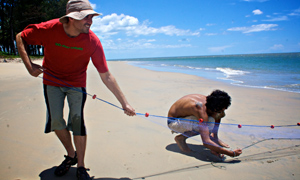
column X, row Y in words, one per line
column 218, row 100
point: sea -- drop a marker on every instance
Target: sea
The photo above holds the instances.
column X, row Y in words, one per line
column 280, row 71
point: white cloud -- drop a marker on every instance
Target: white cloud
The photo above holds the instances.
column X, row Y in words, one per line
column 138, row 44
column 93, row 6
column 151, row 40
column 282, row 18
column 114, row 24
column 184, row 40
column 211, row 34
column 170, row 30
column 210, row 24
column 219, row 49
column 296, row 12
column 255, row 28
column 257, row 12
column 277, row 47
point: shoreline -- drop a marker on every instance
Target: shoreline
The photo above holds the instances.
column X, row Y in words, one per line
column 19, row 60
column 16, row 60
column 10, row 60
column 217, row 79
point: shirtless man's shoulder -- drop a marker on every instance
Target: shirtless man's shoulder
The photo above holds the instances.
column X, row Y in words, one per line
column 186, row 105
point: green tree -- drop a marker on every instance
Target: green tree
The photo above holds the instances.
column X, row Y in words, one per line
column 17, row 14
column 7, row 28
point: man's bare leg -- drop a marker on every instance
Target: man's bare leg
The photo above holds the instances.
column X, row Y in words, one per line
column 180, row 140
column 65, row 138
column 80, row 144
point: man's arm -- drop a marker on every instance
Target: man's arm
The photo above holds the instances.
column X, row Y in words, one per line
column 215, row 148
column 205, row 136
column 111, row 83
column 215, row 138
column 33, row 69
column 214, row 134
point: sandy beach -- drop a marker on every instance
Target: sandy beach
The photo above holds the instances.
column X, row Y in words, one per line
column 122, row 147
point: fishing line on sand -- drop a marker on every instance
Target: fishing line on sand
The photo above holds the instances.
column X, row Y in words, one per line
column 256, row 133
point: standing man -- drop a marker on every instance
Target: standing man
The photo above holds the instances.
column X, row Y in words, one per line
column 204, row 114
column 69, row 44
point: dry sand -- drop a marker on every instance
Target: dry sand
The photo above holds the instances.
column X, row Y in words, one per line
column 122, row 147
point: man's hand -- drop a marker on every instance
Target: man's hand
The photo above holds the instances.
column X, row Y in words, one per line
column 35, row 70
column 129, row 110
column 237, row 152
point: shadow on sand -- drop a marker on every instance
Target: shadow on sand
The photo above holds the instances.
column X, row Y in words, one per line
column 200, row 153
column 204, row 154
column 48, row 174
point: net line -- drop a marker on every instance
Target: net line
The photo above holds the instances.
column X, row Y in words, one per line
column 261, row 134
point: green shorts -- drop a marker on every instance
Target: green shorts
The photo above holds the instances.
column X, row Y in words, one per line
column 55, row 100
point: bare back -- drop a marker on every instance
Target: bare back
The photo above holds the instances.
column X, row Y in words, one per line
column 189, row 105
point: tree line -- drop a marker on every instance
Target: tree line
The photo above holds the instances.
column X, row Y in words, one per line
column 17, row 14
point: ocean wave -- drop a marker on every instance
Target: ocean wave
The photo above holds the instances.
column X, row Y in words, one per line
column 186, row 67
column 255, row 71
column 182, row 66
column 210, row 69
column 294, row 85
column 233, row 81
column 231, row 72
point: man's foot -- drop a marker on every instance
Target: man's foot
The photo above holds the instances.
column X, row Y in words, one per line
column 64, row 167
column 82, row 174
column 218, row 141
column 180, row 141
column 221, row 143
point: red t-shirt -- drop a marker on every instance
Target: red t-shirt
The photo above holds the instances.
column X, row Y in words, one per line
column 65, row 58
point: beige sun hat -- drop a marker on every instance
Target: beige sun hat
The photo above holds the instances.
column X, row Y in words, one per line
column 78, row 9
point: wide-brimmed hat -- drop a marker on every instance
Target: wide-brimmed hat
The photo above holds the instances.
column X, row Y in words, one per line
column 78, row 9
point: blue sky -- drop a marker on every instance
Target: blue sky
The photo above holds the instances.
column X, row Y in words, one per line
column 164, row 28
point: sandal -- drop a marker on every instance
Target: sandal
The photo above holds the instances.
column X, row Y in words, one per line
column 82, row 174
column 64, row 167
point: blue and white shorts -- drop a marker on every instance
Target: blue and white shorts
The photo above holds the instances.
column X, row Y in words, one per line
column 189, row 124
